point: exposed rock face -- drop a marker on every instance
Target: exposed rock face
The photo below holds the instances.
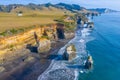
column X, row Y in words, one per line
column 2, row 69
column 68, row 35
column 70, row 53
column 28, row 59
column 35, row 40
column 29, row 37
column 60, row 31
column 90, row 25
column 89, row 63
column 44, row 45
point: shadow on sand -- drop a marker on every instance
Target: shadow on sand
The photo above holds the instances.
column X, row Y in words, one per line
column 55, row 57
column 33, row 49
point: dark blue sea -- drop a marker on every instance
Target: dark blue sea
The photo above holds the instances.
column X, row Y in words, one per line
column 105, row 48
column 102, row 43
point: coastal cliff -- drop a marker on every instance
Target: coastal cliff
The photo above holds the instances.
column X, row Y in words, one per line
column 21, row 40
column 21, row 51
column 40, row 35
column 35, row 47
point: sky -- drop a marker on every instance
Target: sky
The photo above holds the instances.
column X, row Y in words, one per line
column 112, row 4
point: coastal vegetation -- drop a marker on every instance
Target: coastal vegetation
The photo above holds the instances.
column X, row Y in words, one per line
column 32, row 37
column 36, row 29
column 16, row 18
column 36, row 21
column 10, row 21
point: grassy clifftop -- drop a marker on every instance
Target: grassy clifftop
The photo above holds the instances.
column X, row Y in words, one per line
column 17, row 18
column 11, row 20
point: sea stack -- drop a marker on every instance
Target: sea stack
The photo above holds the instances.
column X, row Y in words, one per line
column 70, row 53
column 90, row 25
column 89, row 62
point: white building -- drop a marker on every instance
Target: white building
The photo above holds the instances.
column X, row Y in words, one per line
column 19, row 14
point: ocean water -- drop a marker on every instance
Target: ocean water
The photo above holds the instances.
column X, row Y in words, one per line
column 105, row 48
column 103, row 43
column 61, row 69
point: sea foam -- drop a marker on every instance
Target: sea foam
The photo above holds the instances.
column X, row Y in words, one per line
column 64, row 70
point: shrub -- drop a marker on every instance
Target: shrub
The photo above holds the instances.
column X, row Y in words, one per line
column 45, row 37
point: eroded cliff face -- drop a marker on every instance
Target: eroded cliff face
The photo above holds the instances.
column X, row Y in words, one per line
column 37, row 40
column 8, row 44
column 70, row 52
column 44, row 45
column 60, row 31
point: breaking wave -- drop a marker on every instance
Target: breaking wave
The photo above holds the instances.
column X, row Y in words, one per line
column 63, row 70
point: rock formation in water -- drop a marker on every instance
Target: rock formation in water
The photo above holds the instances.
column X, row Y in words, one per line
column 70, row 53
column 89, row 62
column 90, row 25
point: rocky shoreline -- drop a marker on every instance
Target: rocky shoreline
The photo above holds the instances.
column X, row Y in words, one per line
column 26, row 65
column 38, row 48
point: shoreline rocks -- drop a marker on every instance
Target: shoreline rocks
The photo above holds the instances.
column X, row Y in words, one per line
column 44, row 45
column 89, row 63
column 2, row 69
column 90, row 25
column 70, row 53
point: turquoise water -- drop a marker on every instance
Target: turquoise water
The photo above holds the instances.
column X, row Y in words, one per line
column 105, row 49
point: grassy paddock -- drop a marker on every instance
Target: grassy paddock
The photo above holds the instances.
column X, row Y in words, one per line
column 11, row 20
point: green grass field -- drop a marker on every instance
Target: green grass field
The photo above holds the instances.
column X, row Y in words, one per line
column 11, row 20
